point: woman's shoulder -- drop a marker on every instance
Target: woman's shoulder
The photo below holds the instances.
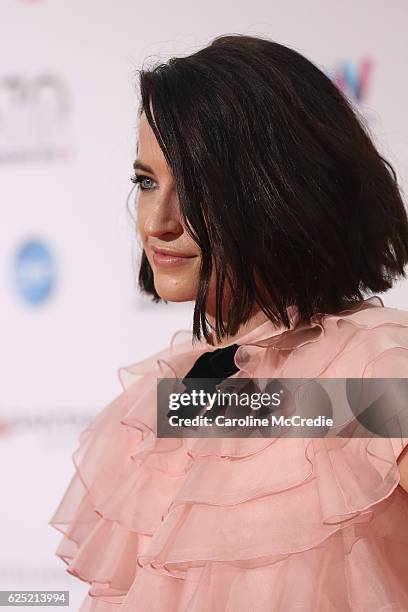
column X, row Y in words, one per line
column 169, row 361
column 366, row 339
column 371, row 341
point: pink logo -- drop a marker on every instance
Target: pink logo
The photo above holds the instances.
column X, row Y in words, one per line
column 5, row 428
column 353, row 79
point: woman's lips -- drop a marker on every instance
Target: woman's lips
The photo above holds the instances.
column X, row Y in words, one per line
column 170, row 260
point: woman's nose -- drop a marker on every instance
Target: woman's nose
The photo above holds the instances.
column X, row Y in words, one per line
column 162, row 220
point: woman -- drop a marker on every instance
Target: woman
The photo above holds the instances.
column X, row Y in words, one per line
column 263, row 199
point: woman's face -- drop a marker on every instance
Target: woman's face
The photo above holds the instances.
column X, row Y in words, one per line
column 160, row 225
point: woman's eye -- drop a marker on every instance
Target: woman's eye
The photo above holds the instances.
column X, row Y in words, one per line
column 139, row 179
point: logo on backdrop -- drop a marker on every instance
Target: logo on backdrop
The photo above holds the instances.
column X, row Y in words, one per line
column 354, row 80
column 34, row 272
column 35, row 118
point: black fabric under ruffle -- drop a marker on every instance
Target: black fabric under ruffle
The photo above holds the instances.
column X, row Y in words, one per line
column 213, row 365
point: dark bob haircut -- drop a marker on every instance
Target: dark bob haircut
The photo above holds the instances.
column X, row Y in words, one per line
column 278, row 181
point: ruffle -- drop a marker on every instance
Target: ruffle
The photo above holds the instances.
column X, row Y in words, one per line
column 238, row 524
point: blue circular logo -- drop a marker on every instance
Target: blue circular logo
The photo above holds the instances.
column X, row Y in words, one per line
column 35, row 272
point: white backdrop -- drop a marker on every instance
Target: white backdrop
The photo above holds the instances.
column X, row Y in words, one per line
column 70, row 313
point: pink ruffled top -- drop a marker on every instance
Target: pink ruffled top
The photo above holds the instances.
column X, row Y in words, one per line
column 243, row 524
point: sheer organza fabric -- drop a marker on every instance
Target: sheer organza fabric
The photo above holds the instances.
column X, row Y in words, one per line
column 243, row 524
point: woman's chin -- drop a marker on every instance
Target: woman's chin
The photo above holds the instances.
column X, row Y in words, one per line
column 175, row 292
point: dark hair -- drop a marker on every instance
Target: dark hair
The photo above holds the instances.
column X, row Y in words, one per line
column 278, row 180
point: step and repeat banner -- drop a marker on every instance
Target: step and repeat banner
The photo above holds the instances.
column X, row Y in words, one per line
column 70, row 311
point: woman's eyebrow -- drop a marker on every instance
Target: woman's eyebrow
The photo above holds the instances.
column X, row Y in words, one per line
column 139, row 165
